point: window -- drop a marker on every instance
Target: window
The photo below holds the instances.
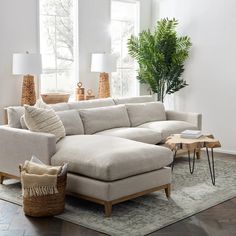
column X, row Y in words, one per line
column 124, row 23
column 58, row 44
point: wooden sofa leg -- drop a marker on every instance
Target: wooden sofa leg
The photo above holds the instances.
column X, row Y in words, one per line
column 168, row 190
column 108, row 209
column 1, row 178
column 198, row 153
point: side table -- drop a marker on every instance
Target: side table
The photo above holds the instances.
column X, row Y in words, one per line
column 175, row 143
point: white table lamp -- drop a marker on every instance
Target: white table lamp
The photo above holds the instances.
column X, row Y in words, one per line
column 103, row 63
column 27, row 64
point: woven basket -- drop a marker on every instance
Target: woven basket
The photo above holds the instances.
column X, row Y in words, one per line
column 48, row 205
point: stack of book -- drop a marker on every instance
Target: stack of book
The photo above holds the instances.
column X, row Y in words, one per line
column 192, row 134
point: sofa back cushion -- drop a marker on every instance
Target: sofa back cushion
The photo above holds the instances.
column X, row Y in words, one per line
column 140, row 99
column 71, row 121
column 91, row 103
column 103, row 118
column 13, row 115
column 141, row 113
column 59, row 106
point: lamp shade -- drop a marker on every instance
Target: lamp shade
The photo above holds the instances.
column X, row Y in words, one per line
column 102, row 62
column 26, row 63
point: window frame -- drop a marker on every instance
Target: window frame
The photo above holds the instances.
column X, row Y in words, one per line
column 75, row 45
column 136, row 32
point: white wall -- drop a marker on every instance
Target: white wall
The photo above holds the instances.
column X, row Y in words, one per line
column 211, row 68
column 94, row 19
column 18, row 31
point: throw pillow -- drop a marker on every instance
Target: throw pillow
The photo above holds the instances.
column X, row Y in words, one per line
column 44, row 120
column 70, row 119
column 22, row 122
column 41, row 104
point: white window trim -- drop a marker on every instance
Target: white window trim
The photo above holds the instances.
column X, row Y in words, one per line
column 76, row 44
column 137, row 31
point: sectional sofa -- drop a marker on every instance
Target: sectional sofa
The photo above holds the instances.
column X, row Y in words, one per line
column 113, row 146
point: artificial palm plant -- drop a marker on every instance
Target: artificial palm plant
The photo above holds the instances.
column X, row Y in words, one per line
column 161, row 56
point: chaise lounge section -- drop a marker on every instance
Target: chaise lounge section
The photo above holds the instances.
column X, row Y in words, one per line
column 112, row 173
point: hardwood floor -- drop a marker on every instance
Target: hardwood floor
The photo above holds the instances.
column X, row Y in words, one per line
column 216, row 221
column 13, row 222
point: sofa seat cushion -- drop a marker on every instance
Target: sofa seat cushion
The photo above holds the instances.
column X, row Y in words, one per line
column 137, row 134
column 109, row 158
column 168, row 127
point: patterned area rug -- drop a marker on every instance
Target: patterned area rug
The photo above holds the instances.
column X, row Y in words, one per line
column 190, row 195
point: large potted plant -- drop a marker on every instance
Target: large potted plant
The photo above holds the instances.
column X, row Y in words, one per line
column 161, row 56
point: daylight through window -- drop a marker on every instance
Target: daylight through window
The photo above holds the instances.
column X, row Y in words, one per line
column 58, row 45
column 124, row 23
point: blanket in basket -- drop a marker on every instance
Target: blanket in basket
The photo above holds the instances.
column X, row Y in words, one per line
column 39, row 179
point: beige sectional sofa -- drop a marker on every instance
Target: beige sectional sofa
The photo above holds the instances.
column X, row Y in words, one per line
column 110, row 146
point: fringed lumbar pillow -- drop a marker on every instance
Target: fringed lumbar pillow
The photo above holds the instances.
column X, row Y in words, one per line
column 44, row 120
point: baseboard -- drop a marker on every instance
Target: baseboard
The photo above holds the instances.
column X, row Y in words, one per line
column 220, row 150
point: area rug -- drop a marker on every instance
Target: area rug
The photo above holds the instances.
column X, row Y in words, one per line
column 190, row 195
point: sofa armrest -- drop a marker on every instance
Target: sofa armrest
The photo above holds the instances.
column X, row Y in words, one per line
column 193, row 118
column 18, row 145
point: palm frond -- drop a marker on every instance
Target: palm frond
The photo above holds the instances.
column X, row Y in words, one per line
column 161, row 56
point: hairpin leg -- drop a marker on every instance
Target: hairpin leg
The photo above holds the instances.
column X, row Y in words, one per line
column 191, row 166
column 211, row 165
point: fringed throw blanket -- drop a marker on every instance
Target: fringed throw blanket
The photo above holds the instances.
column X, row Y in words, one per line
column 38, row 179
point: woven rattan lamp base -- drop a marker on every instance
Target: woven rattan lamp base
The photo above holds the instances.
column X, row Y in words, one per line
column 104, row 86
column 28, row 91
